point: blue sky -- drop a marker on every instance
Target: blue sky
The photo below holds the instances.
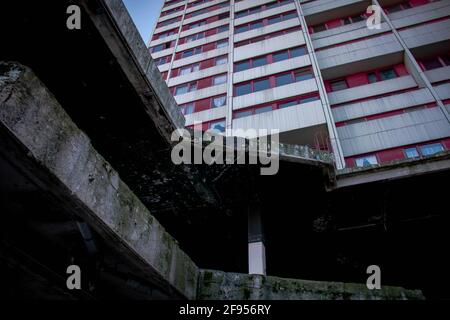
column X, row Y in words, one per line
column 144, row 14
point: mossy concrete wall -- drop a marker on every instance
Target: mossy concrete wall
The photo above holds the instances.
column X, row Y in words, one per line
column 218, row 285
column 78, row 174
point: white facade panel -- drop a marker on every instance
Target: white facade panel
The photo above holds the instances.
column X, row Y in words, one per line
column 198, row 75
column 274, row 94
column 270, row 69
column 201, row 94
column 381, row 105
column 268, row 46
column 206, row 115
column 200, row 57
column 292, row 118
column 391, row 132
column 370, row 90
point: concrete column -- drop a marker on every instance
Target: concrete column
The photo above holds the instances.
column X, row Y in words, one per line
column 256, row 246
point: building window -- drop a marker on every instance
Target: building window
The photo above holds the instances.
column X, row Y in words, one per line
column 243, row 89
column 191, row 52
column 221, row 60
column 303, row 75
column 221, row 44
column 297, row 52
column 273, row 81
column 287, row 104
column 283, row 79
column 446, row 59
column 366, row 161
column 162, row 47
column 261, row 85
column 223, row 28
column 218, row 125
column 372, row 77
column 242, row 114
column 319, row 27
column 256, row 25
column 185, row 88
column 338, row 85
column 219, row 101
column 196, row 36
column 263, row 109
column 187, row 108
column 431, row 64
column 241, row 29
column 241, row 66
column 220, row 79
column 258, row 62
column 430, row 149
column 411, row 153
column 388, row 74
column 309, row 99
column 280, row 56
column 358, row 18
column 189, row 69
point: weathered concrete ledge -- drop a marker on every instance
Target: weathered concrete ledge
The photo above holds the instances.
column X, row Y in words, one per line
column 48, row 141
column 218, row 285
column 393, row 170
column 122, row 37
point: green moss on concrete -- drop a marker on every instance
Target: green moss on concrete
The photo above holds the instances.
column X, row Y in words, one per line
column 218, row 285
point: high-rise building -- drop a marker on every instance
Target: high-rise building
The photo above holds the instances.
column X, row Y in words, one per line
column 323, row 72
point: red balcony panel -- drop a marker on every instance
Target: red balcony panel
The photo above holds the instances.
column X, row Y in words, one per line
column 206, row 64
column 401, row 70
column 203, row 104
column 204, row 83
column 391, row 155
column 358, row 79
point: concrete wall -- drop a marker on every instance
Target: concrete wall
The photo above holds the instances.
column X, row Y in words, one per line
column 77, row 173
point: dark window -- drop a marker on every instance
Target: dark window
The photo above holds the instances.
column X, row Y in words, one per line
column 446, row 59
column 319, row 28
column 241, row 66
column 347, row 21
column 280, row 56
column 287, row 104
column 240, row 14
column 297, row 52
column 284, row 79
column 388, row 74
column 338, row 85
column 289, row 16
column 431, row 64
column 309, row 99
column 222, row 44
column 241, row 29
column 223, row 28
column 303, row 75
column 260, row 85
column 263, row 109
column 372, row 77
column 258, row 62
column 274, row 20
column 242, row 114
column 395, row 8
column 243, row 89
column 358, row 18
column 256, row 25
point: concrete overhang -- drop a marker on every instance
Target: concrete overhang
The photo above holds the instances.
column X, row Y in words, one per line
column 393, row 170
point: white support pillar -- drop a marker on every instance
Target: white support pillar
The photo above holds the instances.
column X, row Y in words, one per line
column 256, row 246
column 256, row 258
